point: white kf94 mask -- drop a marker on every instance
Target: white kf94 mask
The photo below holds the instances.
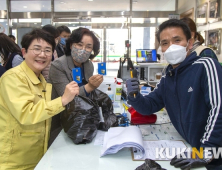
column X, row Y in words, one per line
column 175, row 54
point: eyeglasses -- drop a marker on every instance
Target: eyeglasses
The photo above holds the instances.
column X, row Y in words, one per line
column 37, row 51
column 80, row 47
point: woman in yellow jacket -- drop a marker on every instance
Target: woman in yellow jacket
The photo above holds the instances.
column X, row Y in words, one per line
column 26, row 106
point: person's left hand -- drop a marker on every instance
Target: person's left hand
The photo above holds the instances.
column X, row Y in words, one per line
column 187, row 163
column 95, row 81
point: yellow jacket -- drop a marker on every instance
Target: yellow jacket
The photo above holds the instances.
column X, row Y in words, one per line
column 25, row 117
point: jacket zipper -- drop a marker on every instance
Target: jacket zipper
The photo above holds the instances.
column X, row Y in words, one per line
column 179, row 105
column 180, row 114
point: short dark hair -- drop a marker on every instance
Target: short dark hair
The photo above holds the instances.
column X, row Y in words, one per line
column 37, row 34
column 63, row 28
column 52, row 30
column 174, row 23
column 76, row 37
column 11, row 36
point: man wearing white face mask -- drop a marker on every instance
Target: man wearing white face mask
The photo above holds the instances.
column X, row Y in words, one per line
column 190, row 92
column 175, row 54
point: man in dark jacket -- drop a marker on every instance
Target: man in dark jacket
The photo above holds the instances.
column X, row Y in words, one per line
column 190, row 91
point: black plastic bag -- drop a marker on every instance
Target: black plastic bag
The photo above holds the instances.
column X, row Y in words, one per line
column 103, row 100
column 150, row 165
column 81, row 118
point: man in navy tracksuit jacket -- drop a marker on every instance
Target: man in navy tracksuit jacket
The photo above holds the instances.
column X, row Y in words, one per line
column 191, row 93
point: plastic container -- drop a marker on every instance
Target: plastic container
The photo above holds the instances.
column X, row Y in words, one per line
column 119, row 88
column 110, row 93
column 108, row 80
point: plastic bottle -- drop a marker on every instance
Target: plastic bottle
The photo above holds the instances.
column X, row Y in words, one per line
column 115, row 80
column 118, row 93
column 110, row 93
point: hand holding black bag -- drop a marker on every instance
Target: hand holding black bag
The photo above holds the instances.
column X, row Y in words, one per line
column 81, row 118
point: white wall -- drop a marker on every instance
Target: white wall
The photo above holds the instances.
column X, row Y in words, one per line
column 211, row 27
column 185, row 5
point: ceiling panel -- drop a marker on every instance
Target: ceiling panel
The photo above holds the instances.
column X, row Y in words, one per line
column 114, row 5
column 85, row 5
column 154, row 5
column 3, row 5
column 31, row 6
column 95, row 5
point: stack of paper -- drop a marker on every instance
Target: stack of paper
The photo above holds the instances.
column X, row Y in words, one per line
column 152, row 146
column 118, row 138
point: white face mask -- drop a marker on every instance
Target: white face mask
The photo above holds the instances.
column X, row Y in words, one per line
column 175, row 54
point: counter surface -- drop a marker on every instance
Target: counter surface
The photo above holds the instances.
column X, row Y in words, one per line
column 64, row 154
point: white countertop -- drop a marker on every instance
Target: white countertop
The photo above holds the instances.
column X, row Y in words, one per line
column 65, row 155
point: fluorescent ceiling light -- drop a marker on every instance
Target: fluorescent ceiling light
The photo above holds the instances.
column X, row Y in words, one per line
column 37, row 20
column 67, row 22
column 86, row 22
column 108, row 20
column 138, row 20
column 160, row 20
column 70, row 18
column 24, row 6
column 152, row 20
column 14, row 20
column 90, row 0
